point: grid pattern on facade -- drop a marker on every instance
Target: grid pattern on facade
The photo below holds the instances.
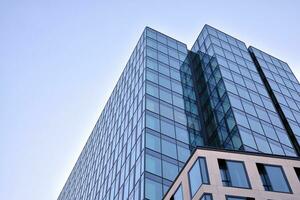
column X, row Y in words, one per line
column 111, row 162
column 259, row 124
column 169, row 100
column 172, row 122
column 284, row 85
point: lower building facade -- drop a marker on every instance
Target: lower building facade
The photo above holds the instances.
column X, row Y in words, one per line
column 214, row 174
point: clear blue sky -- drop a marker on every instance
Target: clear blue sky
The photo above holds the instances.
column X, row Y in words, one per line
column 60, row 59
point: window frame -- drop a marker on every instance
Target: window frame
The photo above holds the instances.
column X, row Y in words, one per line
column 283, row 174
column 197, row 161
column 241, row 197
column 228, row 174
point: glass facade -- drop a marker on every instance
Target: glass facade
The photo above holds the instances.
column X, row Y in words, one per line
column 111, row 164
column 243, row 113
column 169, row 100
column 171, row 112
column 285, row 89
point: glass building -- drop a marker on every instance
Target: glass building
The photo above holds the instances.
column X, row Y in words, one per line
column 170, row 100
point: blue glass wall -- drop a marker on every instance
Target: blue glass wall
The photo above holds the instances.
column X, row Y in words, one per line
column 111, row 164
column 259, row 125
column 172, row 122
column 285, row 88
column 146, row 130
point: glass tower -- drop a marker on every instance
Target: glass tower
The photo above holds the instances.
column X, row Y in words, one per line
column 169, row 100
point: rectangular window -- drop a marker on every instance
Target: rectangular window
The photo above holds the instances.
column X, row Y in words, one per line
column 198, row 175
column 297, row 170
column 178, row 194
column 273, row 178
column 233, row 174
column 238, row 198
column 153, row 189
column 152, row 121
column 152, row 141
column 153, row 165
column 206, row 196
column 170, row 170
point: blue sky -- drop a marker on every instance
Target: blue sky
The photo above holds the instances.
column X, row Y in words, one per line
column 60, row 59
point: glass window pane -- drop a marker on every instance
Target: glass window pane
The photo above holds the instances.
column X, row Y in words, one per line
column 165, row 82
column 237, row 174
column 247, row 137
column 152, row 122
column 153, row 190
column 182, row 134
column 169, row 148
column 164, row 69
column 152, row 105
column 255, row 125
column 178, row 101
column 152, row 64
column 153, row 165
column 262, row 143
column 198, row 175
column 152, row 76
column 165, row 95
column 206, row 197
column 238, row 198
column 277, row 179
column 166, row 110
column 167, row 128
column 183, row 153
column 152, row 142
column 152, row 89
column 152, row 53
column 233, row 174
column 180, row 117
column 178, row 194
column 170, row 170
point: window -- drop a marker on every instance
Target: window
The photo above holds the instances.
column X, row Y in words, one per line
column 153, row 165
column 273, row 178
column 167, row 127
column 247, row 137
column 233, row 174
column 165, row 95
column 183, row 153
column 182, row 134
column 206, row 196
column 153, row 189
column 238, row 198
column 169, row 148
column 152, row 89
column 164, row 81
column 152, row 141
column 152, row 122
column 152, row 64
column 297, row 170
column 198, row 175
column 166, row 110
column 178, row 194
column 152, row 104
column 170, row 170
column 152, row 76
